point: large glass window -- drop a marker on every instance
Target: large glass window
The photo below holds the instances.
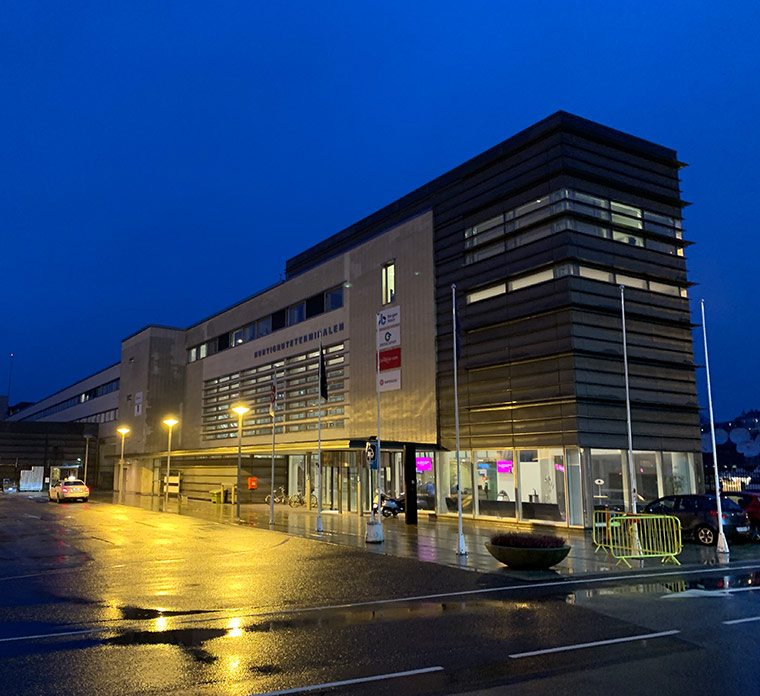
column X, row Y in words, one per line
column 264, row 326
column 296, row 314
column 389, row 283
column 495, row 477
column 448, row 485
column 334, row 299
column 485, row 293
column 607, row 472
column 542, row 484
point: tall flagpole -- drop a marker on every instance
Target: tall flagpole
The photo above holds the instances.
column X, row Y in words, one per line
column 722, row 543
column 461, row 549
column 319, row 441
column 374, row 533
column 631, row 469
column 272, row 410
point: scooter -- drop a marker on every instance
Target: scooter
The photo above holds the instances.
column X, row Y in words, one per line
column 391, row 506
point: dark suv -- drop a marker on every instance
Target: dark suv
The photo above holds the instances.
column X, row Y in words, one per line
column 749, row 501
column 699, row 518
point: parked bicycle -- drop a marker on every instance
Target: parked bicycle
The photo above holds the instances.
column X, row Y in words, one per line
column 298, row 499
column 279, row 496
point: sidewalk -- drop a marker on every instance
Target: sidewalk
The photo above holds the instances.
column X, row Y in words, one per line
column 432, row 540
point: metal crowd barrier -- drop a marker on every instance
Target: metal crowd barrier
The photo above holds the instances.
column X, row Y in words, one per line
column 627, row 536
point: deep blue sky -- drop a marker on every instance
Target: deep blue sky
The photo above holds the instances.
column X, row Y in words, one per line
column 161, row 160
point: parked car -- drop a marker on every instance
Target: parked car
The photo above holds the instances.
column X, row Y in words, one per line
column 698, row 516
column 9, row 486
column 69, row 489
column 749, row 501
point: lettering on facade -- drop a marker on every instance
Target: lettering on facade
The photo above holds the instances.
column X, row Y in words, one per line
column 305, row 338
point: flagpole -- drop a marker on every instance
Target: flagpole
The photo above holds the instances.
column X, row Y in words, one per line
column 722, row 543
column 272, row 410
column 631, row 468
column 461, row 549
column 319, row 441
column 374, row 533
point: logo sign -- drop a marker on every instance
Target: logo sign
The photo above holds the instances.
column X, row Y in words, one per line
column 388, row 317
column 390, row 359
column 504, row 467
column 424, row 463
column 388, row 381
column 371, row 453
column 388, row 337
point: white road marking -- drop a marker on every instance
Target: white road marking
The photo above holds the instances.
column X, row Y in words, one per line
column 360, row 680
column 708, row 593
column 54, row 635
column 580, row 646
column 738, row 621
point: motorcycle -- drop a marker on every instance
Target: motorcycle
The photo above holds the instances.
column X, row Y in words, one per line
column 390, row 506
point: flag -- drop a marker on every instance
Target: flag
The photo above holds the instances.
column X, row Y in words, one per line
column 322, row 374
column 273, row 395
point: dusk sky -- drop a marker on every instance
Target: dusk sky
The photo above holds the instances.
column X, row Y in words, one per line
column 162, row 160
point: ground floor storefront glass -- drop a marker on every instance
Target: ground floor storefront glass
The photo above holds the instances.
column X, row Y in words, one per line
column 657, row 474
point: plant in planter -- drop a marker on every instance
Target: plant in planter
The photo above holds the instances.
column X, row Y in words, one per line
column 528, row 551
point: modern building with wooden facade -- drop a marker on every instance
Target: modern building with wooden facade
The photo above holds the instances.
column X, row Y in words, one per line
column 538, row 235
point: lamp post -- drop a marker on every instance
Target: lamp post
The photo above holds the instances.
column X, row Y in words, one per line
column 241, row 411
column 123, row 432
column 170, row 422
column 86, row 455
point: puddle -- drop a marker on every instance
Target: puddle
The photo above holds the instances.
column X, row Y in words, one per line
column 139, row 613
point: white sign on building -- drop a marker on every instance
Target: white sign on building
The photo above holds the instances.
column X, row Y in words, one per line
column 389, row 380
column 388, row 337
column 388, row 317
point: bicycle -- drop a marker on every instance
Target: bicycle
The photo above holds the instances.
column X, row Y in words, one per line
column 279, row 497
column 298, row 499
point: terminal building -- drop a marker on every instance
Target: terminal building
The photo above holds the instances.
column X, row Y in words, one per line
column 537, row 235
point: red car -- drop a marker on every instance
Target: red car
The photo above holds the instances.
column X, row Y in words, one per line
column 749, row 501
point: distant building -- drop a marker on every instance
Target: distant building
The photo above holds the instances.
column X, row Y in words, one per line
column 738, row 445
column 538, row 234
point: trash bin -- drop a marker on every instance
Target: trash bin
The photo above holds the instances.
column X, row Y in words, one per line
column 216, row 496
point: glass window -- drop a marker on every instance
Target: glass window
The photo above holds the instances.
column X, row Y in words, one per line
column 484, row 253
column 495, row 478
column 334, row 299
column 250, row 332
column 485, row 293
column 607, row 473
column 448, row 487
column 279, row 319
column 595, row 274
column 202, row 350
column 532, row 279
column 315, row 305
column 542, row 484
column 237, row 337
column 264, row 326
column 627, row 238
column 660, row 246
column 631, row 282
column 665, row 288
column 389, row 283
column 296, row 314
column 192, row 354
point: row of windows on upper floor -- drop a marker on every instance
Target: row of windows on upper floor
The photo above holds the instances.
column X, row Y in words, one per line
column 297, row 427
column 290, row 316
column 573, row 269
column 83, row 397
column 493, row 231
column 103, row 417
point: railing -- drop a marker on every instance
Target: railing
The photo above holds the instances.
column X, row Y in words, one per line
column 627, row 536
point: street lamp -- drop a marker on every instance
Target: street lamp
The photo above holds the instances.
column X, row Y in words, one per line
column 241, row 411
column 123, row 432
column 170, row 422
column 87, row 439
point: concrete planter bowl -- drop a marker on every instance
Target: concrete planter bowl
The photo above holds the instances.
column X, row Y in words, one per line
column 527, row 558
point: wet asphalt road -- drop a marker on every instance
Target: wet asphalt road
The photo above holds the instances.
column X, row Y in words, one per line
column 107, row 599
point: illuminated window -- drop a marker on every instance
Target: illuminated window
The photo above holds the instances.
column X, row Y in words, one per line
column 389, row 283
column 485, row 293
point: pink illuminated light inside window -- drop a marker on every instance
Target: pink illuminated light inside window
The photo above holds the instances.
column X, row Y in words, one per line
column 424, row 463
column 504, row 467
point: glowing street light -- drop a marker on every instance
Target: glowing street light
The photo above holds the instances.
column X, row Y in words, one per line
column 123, row 432
column 170, row 422
column 241, row 411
